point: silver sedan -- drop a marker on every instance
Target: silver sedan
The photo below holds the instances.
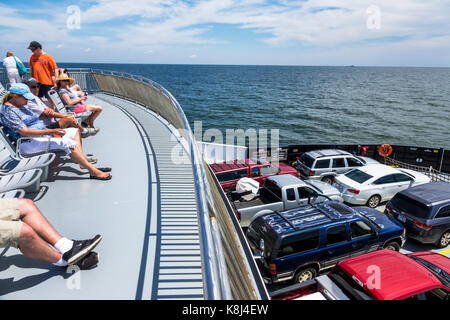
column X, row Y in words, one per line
column 376, row 183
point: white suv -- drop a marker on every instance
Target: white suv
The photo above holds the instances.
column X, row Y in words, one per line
column 325, row 164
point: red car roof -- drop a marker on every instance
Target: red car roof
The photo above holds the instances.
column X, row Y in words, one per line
column 437, row 259
column 399, row 276
column 226, row 166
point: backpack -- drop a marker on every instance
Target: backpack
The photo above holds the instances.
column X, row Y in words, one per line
column 20, row 67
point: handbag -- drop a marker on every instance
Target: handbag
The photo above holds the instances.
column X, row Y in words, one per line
column 20, row 67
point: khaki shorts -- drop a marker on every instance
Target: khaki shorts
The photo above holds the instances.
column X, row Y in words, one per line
column 10, row 225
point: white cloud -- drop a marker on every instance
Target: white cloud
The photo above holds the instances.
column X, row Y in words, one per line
column 148, row 26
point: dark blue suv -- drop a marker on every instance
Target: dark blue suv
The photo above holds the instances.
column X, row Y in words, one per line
column 298, row 243
column 425, row 212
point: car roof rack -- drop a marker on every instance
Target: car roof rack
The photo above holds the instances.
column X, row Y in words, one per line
column 324, row 212
column 287, row 221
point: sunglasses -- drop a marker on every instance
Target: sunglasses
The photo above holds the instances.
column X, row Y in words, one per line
column 35, row 87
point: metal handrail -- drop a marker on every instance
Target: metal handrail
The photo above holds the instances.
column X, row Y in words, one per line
column 434, row 174
column 216, row 287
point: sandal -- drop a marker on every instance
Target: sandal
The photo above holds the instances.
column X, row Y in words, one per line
column 105, row 169
column 99, row 178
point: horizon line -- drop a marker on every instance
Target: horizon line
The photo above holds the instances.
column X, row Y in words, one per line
column 256, row 65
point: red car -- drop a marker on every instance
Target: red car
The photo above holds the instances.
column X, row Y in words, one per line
column 380, row 275
column 228, row 173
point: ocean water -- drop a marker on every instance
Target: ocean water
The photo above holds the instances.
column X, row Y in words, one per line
column 408, row 106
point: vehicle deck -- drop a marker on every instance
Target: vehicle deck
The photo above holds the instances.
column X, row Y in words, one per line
column 147, row 215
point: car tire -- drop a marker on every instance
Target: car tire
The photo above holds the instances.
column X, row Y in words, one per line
column 374, row 201
column 328, row 179
column 444, row 240
column 305, row 274
column 392, row 246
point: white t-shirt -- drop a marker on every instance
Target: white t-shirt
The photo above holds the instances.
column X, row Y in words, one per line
column 10, row 64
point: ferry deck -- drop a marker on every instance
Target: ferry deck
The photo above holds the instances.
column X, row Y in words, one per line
column 162, row 236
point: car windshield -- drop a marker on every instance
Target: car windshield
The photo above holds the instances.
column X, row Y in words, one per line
column 358, row 176
column 407, row 173
column 348, row 285
column 307, row 160
column 361, row 159
column 411, row 206
column 441, row 274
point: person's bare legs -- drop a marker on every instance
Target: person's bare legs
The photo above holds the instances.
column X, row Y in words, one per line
column 69, row 122
column 37, row 233
column 78, row 156
column 96, row 110
column 32, row 216
column 34, row 247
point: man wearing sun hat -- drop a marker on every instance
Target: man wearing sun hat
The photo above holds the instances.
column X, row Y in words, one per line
column 42, row 67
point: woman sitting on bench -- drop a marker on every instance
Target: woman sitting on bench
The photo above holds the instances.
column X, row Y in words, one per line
column 19, row 121
column 73, row 102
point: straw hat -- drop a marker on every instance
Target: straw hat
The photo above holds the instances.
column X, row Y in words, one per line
column 64, row 76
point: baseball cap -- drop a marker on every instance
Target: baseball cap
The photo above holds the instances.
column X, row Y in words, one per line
column 23, row 90
column 31, row 82
column 34, row 45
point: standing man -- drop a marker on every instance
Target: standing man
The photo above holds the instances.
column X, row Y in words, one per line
column 42, row 68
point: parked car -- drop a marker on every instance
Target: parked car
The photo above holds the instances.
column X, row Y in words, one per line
column 283, row 192
column 297, row 244
column 380, row 275
column 424, row 211
column 372, row 184
column 326, row 164
column 228, row 173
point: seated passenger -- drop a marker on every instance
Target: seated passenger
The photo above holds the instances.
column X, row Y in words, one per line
column 19, row 121
column 75, row 88
column 23, row 226
column 75, row 104
column 47, row 114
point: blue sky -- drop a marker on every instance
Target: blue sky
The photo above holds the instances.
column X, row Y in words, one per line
column 287, row 32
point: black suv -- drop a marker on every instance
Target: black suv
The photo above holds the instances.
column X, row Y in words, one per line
column 425, row 212
column 298, row 243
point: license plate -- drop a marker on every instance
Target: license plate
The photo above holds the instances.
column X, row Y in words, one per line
column 402, row 219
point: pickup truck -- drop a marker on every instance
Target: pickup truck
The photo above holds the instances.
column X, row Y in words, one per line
column 379, row 275
column 229, row 173
column 282, row 192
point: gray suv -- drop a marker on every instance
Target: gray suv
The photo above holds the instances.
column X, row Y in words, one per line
column 424, row 211
column 325, row 164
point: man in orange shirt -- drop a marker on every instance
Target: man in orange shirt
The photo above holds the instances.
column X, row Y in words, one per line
column 42, row 68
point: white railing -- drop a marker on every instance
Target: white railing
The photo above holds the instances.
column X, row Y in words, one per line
column 434, row 174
